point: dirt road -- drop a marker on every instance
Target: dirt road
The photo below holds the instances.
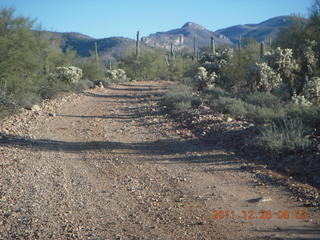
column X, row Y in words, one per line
column 108, row 164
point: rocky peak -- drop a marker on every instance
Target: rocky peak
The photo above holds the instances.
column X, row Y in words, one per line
column 193, row 25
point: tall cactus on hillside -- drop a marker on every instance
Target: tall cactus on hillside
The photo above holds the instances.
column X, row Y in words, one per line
column 194, row 49
column 270, row 41
column 110, row 64
column 262, row 50
column 138, row 45
column 240, row 43
column 213, row 47
column 96, row 53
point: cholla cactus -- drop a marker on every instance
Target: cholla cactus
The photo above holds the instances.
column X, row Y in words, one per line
column 311, row 90
column 309, row 59
column 281, row 60
column 66, row 74
column 227, row 54
column 205, row 79
column 116, row 75
column 300, row 100
column 263, row 78
column 214, row 63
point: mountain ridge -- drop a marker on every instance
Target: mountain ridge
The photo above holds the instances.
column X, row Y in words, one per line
column 183, row 37
column 258, row 31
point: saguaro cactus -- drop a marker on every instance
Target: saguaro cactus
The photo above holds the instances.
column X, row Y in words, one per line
column 180, row 40
column 239, row 43
column 138, row 45
column 171, row 51
column 262, row 49
column 194, row 49
column 270, row 41
column 110, row 64
column 213, row 47
column 96, row 53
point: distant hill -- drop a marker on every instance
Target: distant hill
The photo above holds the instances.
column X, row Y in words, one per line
column 184, row 37
column 259, row 32
column 108, row 48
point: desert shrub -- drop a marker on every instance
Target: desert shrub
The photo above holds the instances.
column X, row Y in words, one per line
column 311, row 90
column 28, row 99
column 150, row 65
column 264, row 114
column 228, row 105
column 282, row 92
column 81, row 85
column 263, row 100
column 233, row 73
column 7, row 104
column 255, row 109
column 188, row 81
column 214, row 93
column 51, row 89
column 91, row 70
column 310, row 116
column 283, row 136
column 178, row 99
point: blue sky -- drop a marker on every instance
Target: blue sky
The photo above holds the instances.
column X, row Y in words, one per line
column 106, row 18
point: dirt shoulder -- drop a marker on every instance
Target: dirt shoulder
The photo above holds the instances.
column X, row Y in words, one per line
column 109, row 164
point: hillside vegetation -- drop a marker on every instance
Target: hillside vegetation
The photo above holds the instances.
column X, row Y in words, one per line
column 36, row 65
column 275, row 86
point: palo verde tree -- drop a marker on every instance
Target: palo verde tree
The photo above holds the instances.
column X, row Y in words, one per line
column 26, row 58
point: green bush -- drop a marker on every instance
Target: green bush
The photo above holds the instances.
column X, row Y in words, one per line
column 82, row 85
column 215, row 93
column 263, row 100
column 149, row 66
column 91, row 70
column 7, row 104
column 257, row 110
column 264, row 114
column 28, row 99
column 310, row 116
column 284, row 136
column 178, row 99
column 228, row 105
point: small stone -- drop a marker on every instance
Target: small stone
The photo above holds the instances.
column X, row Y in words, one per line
column 18, row 210
column 35, row 108
column 200, row 223
column 229, row 119
column 7, row 214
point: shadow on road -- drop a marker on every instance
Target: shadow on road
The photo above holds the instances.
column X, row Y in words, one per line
column 306, row 233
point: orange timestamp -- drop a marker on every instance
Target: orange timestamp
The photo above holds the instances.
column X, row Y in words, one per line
column 260, row 214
